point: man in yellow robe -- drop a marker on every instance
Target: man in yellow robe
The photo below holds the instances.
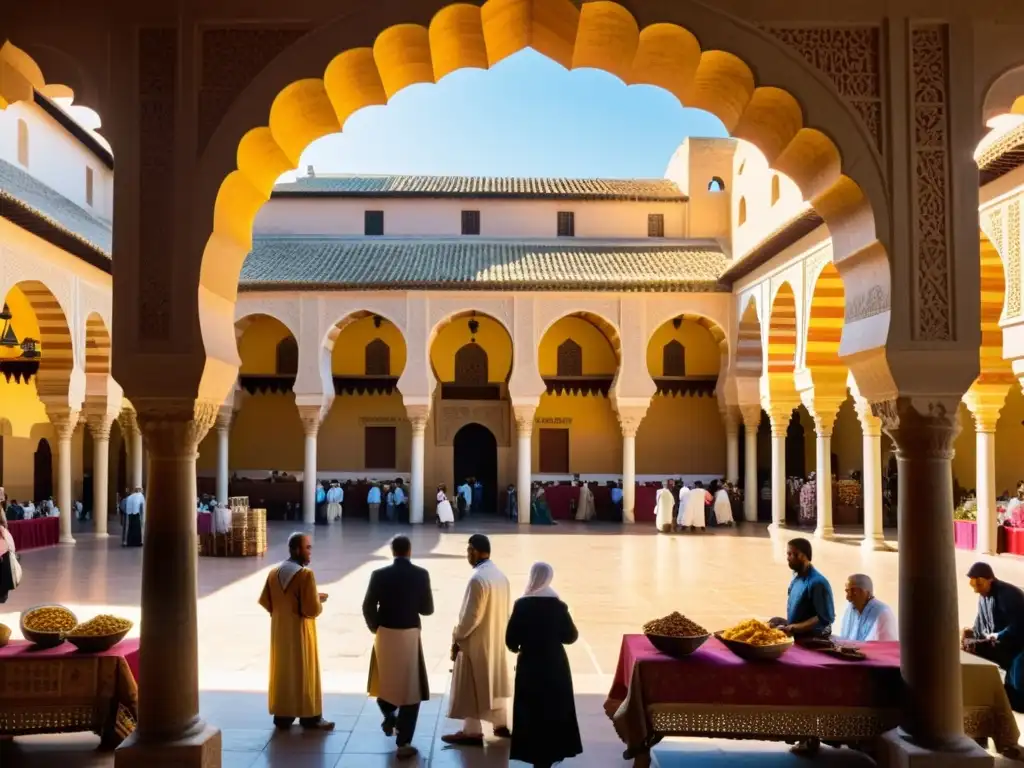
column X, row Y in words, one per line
column 291, row 599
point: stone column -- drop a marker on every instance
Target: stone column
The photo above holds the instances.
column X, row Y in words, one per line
column 630, row 423
column 751, row 493
column 169, row 719
column 780, row 427
column 985, row 401
column 524, row 462
column 732, row 446
column 132, row 438
column 64, row 421
column 823, row 422
column 871, row 426
column 311, row 417
column 99, row 428
column 223, row 446
column 418, row 417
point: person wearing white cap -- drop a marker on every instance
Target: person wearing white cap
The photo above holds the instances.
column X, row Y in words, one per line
column 867, row 619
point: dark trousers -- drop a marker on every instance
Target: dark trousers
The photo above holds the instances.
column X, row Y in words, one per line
column 405, row 723
column 999, row 654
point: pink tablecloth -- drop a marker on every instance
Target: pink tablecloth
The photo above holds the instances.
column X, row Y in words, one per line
column 1014, row 541
column 32, row 534
column 21, row 649
column 965, row 534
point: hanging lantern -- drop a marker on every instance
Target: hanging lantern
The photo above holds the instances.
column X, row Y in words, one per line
column 30, row 349
column 8, row 338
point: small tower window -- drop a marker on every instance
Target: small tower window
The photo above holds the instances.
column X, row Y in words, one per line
column 23, row 143
column 655, row 224
column 88, row 185
column 373, row 223
column 471, row 222
column 566, row 224
column 716, row 184
column 776, row 192
column 742, row 216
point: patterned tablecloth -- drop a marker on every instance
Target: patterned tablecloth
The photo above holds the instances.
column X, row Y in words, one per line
column 35, row 533
column 61, row 690
column 804, row 694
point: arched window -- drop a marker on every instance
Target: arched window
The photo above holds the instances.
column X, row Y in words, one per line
column 743, row 167
column 570, row 358
column 378, row 358
column 673, row 359
column 716, row 184
column 775, row 189
column 288, row 356
column 471, row 365
column 742, row 219
column 23, row 143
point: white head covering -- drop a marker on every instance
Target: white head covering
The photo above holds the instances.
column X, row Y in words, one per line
column 539, row 584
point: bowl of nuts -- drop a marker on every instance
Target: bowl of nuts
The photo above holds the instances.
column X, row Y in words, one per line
column 99, row 634
column 675, row 635
column 5, row 635
column 46, row 625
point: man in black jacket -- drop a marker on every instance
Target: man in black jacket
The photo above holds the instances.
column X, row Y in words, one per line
column 396, row 597
column 998, row 631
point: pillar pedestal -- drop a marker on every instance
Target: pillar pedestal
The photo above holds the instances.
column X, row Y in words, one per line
column 524, row 460
column 418, row 417
column 311, row 416
column 871, row 426
column 751, row 493
column 170, row 731
column 985, row 401
column 64, row 420
column 932, row 720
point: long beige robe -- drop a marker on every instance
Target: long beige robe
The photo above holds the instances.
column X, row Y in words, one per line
column 663, row 503
column 480, row 680
column 723, row 507
column 586, row 511
column 294, row 656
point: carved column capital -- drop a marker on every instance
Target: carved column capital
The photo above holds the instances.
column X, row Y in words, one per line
column 823, row 405
column 751, row 417
column 174, row 428
column 312, row 417
column 922, row 427
column 418, row 416
column 731, row 418
column 870, row 424
column 225, row 415
column 985, row 402
column 64, row 420
column 99, row 425
column 524, row 415
column 127, row 419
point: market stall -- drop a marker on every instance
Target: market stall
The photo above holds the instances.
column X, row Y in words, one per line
column 803, row 694
column 35, row 533
column 237, row 530
column 63, row 690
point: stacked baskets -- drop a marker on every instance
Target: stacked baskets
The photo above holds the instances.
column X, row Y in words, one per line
column 248, row 537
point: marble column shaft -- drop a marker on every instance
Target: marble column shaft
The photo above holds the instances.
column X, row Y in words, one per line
column 100, row 430
column 524, row 461
column 732, row 449
column 64, row 423
column 417, row 478
column 780, row 426
column 871, row 426
column 751, row 493
column 223, row 448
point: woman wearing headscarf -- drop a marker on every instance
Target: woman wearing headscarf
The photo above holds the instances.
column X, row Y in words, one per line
column 544, row 726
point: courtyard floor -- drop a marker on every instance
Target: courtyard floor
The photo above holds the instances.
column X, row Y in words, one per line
column 613, row 578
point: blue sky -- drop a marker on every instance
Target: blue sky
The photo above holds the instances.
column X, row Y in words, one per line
column 525, row 117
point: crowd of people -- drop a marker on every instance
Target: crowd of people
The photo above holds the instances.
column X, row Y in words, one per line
column 684, row 508
column 535, row 628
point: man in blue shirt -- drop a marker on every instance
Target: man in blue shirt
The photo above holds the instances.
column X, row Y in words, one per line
column 810, row 609
column 617, row 498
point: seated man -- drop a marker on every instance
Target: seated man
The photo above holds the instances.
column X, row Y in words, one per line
column 998, row 631
column 810, row 609
column 867, row 619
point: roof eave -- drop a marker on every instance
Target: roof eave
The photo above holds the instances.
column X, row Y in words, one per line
column 78, row 132
column 424, row 195
column 781, row 239
column 32, row 221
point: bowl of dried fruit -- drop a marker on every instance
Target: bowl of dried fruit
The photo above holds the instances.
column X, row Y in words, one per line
column 675, row 635
column 46, row 625
column 754, row 640
column 99, row 634
column 5, row 635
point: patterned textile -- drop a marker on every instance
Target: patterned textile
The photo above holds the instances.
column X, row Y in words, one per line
column 61, row 690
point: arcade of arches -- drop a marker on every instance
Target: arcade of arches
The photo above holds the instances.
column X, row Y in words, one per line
column 870, row 127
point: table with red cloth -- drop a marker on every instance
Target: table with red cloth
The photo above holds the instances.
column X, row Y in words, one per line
column 1011, row 540
column 35, row 533
column 63, row 690
column 804, row 694
column 965, row 534
column 560, row 499
column 643, row 503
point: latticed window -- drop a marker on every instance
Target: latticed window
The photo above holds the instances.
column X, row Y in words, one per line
column 471, row 222
column 471, row 365
column 378, row 358
column 566, row 224
column 570, row 358
column 673, row 359
column 288, row 356
column 655, row 224
column 373, row 223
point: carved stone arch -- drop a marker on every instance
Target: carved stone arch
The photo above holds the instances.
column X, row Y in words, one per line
column 287, row 356
column 97, row 345
column 378, row 358
column 471, row 365
column 570, row 358
column 749, row 349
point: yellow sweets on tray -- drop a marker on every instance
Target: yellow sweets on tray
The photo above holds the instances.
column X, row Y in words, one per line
column 51, row 618
column 101, row 626
column 754, row 632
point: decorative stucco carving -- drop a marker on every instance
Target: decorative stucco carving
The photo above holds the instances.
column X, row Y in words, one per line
column 870, row 302
column 454, row 415
column 921, row 429
column 157, row 68
column 813, row 264
column 231, row 58
column 174, row 428
column 850, row 57
column 1012, row 257
column 929, row 67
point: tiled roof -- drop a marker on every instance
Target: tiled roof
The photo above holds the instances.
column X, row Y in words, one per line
column 332, row 263
column 647, row 190
column 21, row 193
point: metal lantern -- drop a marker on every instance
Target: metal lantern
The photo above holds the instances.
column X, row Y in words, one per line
column 7, row 338
column 30, row 349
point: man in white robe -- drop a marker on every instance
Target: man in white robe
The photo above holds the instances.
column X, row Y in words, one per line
column 691, row 510
column 335, row 496
column 480, row 686
column 664, row 503
column 723, row 507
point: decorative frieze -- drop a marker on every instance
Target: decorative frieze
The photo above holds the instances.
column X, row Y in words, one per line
column 1012, row 262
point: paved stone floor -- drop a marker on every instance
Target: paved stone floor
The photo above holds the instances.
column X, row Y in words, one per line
column 613, row 579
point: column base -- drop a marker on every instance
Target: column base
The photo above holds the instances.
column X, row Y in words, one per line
column 875, row 545
column 200, row 747
column 824, row 533
column 897, row 751
column 69, row 539
column 775, row 527
column 103, row 535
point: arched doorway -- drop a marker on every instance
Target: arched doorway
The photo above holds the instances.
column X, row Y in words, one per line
column 43, row 472
column 476, row 455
